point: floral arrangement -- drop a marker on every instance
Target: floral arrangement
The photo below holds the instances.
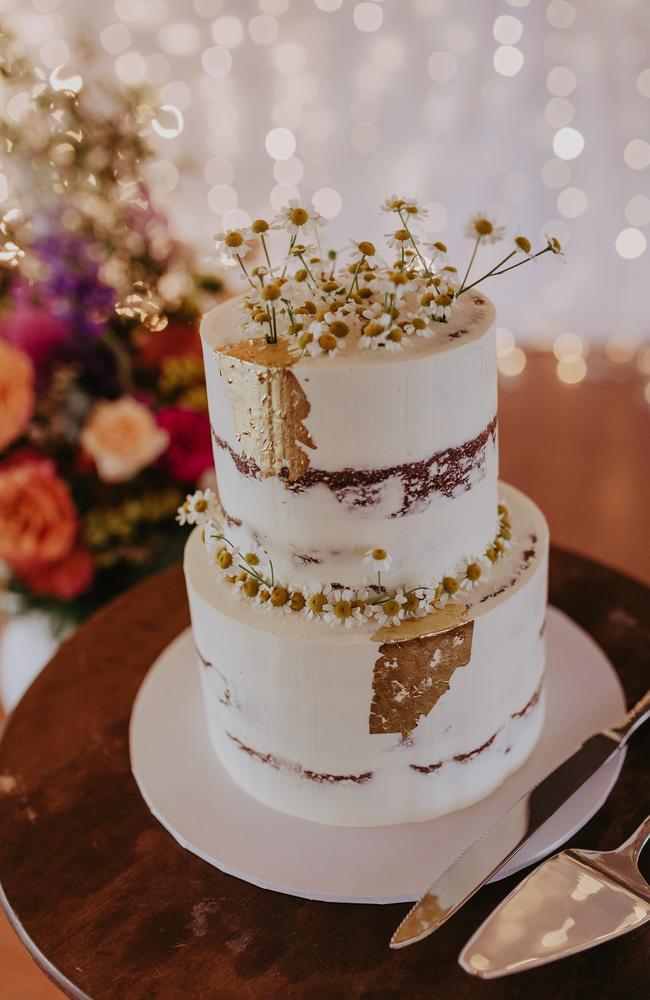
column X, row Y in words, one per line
column 252, row 574
column 322, row 304
column 103, row 417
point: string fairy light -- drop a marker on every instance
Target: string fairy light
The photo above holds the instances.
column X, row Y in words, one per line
column 279, row 98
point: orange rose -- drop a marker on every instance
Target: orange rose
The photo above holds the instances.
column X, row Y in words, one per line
column 38, row 520
column 122, row 437
column 16, row 393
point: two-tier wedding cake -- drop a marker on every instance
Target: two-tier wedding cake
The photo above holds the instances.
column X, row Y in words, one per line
column 367, row 599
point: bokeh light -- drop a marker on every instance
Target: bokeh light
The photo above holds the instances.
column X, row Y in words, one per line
column 568, row 143
column 560, row 14
column 637, row 210
column 507, row 29
column 280, row 143
column 621, row 348
column 637, row 154
column 227, row 31
column 508, row 60
column 630, row 243
column 571, row 369
column 217, row 61
column 568, row 345
column 512, row 363
column 328, row 202
column 368, row 16
column 571, row 202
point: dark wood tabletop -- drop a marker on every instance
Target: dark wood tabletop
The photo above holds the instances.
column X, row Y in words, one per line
column 113, row 909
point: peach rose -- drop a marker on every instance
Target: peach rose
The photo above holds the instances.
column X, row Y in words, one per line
column 38, row 520
column 16, row 393
column 122, row 438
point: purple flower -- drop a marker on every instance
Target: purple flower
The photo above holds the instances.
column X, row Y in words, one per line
column 72, row 289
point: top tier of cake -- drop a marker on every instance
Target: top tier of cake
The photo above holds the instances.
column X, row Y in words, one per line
column 320, row 459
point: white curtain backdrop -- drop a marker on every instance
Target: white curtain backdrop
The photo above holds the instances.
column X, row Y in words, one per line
column 537, row 112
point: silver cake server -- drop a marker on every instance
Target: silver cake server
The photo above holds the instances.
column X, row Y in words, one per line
column 572, row 902
column 501, row 842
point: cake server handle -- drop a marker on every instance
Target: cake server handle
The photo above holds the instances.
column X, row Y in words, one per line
column 634, row 718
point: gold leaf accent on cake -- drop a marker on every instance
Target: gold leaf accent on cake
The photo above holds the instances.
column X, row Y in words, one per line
column 258, row 351
column 438, row 620
column 268, row 406
column 411, row 676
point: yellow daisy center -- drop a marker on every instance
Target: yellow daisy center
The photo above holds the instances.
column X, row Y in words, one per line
column 339, row 328
column 279, row 596
column 343, row 609
column 316, row 603
column 327, row 341
column 233, row 239
column 379, row 554
column 412, row 602
column 298, row 216
column 483, row 227
column 297, row 601
column 391, row 608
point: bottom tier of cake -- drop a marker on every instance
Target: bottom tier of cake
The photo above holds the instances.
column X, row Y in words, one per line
column 366, row 727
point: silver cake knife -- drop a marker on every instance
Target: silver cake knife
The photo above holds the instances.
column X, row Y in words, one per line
column 574, row 901
column 487, row 855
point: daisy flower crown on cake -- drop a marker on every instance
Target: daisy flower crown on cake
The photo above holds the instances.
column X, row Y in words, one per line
column 253, row 577
column 323, row 300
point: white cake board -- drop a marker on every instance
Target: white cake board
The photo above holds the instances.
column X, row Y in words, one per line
column 190, row 793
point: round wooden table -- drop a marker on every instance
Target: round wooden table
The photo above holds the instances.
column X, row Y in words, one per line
column 110, row 906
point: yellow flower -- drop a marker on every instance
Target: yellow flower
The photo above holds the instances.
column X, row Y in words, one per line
column 279, row 597
column 251, row 587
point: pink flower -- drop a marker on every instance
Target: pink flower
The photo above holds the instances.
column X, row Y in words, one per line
column 34, row 330
column 122, row 438
column 190, row 449
column 38, row 519
column 65, row 579
column 16, row 393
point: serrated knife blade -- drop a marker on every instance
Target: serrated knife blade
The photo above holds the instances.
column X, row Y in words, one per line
column 487, row 855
